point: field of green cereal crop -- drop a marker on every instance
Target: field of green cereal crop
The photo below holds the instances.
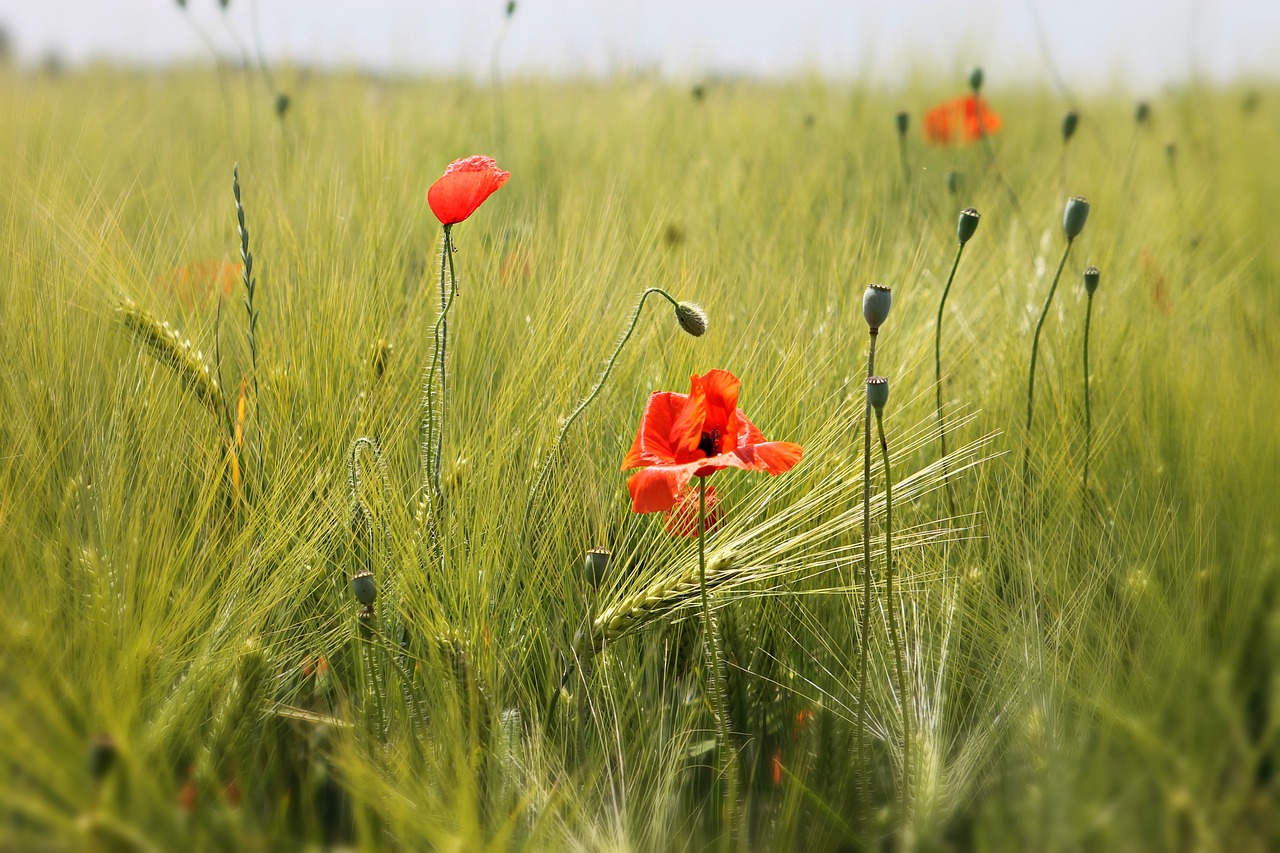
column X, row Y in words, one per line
column 324, row 577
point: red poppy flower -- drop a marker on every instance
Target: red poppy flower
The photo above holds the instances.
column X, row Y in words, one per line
column 683, row 436
column 464, row 187
column 967, row 118
column 682, row 519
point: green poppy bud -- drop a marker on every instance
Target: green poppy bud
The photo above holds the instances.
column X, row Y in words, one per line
column 1074, row 217
column 1070, row 122
column 379, row 356
column 903, row 120
column 597, row 563
column 1142, row 112
column 967, row 225
column 1171, row 150
column 953, row 182
column 1091, row 276
column 102, row 756
column 282, row 105
column 878, row 392
column 692, row 318
column 876, row 302
column 511, row 8
column 364, row 587
column 975, row 79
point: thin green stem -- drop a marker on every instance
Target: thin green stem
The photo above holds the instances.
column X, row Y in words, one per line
column 429, row 390
column 864, row 792
column 1031, row 381
column 900, row 658
column 582, row 406
column 444, row 348
column 937, row 366
column 719, row 707
column 1088, row 416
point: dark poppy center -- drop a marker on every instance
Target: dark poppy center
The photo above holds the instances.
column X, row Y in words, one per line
column 712, row 442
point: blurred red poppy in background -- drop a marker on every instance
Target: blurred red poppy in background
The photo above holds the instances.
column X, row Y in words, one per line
column 965, row 119
column 683, row 436
column 682, row 519
column 464, row 187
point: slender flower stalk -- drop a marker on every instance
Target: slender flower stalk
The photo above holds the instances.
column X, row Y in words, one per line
column 878, row 395
column 1091, row 276
column 691, row 318
column 713, row 683
column 903, row 121
column 976, row 79
column 876, row 302
column 1073, row 219
column 965, row 229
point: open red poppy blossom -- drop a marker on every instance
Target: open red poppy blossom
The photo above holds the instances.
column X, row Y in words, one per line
column 464, row 186
column 966, row 118
column 683, row 436
column 682, row 519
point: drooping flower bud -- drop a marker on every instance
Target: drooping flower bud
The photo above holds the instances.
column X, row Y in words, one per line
column 595, row 566
column 876, row 302
column 904, row 120
column 1091, row 276
column 968, row 224
column 1069, row 123
column 692, row 318
column 975, row 79
column 364, row 587
column 878, row 392
column 1073, row 218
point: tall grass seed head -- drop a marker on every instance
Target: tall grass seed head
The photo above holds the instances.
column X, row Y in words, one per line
column 692, row 318
column 878, row 392
column 1070, row 122
column 1073, row 218
column 968, row 224
column 596, row 565
column 1091, row 276
column 876, row 302
column 976, row 78
column 903, row 120
column 364, row 587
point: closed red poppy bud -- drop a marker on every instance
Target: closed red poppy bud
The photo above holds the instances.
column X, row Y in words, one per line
column 692, row 318
column 876, row 302
column 464, row 187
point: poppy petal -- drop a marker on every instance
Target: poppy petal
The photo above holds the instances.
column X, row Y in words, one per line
column 464, row 187
column 721, row 389
column 686, row 432
column 658, row 488
column 652, row 445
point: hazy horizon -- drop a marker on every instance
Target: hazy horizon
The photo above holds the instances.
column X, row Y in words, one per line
column 1140, row 45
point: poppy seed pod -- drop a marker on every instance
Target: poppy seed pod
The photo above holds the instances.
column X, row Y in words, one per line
column 967, row 225
column 903, row 120
column 878, row 392
column 1073, row 218
column 975, row 79
column 364, row 620
column 364, row 587
column 876, row 302
column 102, row 755
column 1091, row 276
column 953, row 182
column 1070, row 122
column 595, row 566
column 1142, row 112
column 692, row 318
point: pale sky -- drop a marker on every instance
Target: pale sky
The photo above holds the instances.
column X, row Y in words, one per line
column 1138, row 44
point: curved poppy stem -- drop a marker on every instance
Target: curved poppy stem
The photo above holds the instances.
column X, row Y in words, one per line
column 900, row 658
column 1031, row 381
column 587, row 401
column 712, row 683
column 864, row 792
column 444, row 345
column 1088, row 418
column 429, row 384
column 937, row 367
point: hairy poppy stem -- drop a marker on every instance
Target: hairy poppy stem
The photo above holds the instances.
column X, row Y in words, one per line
column 587, row 401
column 1031, row 381
column 429, row 383
column 444, row 345
column 440, row 332
column 865, row 622
column 937, row 367
column 712, row 684
column 1088, row 418
column 900, row 658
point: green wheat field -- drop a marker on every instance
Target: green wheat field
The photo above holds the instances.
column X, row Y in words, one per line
column 184, row 663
